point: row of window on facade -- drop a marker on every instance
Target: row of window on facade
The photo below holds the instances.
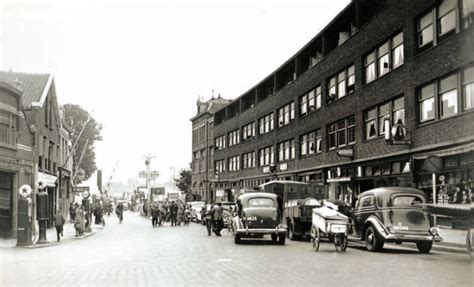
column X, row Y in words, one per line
column 200, row 160
column 439, row 99
column 444, row 20
column 202, row 132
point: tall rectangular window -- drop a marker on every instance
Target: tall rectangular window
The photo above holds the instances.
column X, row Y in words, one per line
column 427, row 103
column 468, row 88
column 286, row 114
column 286, row 150
column 266, row 156
column 310, row 143
column 425, row 30
column 375, row 117
column 248, row 160
column 265, row 124
column 446, row 17
column 220, row 142
column 233, row 137
column 448, row 94
column 341, row 133
column 341, row 84
column 248, row 131
column 385, row 58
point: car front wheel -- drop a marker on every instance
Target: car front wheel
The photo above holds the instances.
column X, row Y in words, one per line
column 424, row 246
column 281, row 239
column 237, row 239
column 372, row 241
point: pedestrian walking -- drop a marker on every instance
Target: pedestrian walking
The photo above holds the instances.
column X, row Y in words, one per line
column 155, row 213
column 207, row 214
column 98, row 213
column 59, row 221
column 218, row 218
column 72, row 212
column 173, row 213
column 80, row 221
column 180, row 213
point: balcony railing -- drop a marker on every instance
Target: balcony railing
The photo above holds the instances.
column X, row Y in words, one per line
column 8, row 136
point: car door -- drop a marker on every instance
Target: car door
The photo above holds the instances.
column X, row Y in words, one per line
column 364, row 207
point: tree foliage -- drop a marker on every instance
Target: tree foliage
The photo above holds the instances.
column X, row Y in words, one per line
column 184, row 181
column 76, row 117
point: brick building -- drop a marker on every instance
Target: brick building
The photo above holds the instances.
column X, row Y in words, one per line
column 396, row 67
column 50, row 138
column 16, row 156
column 203, row 148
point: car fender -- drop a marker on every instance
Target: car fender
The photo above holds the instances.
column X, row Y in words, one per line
column 237, row 223
column 377, row 224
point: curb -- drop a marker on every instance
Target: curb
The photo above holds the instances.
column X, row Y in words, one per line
column 54, row 243
column 447, row 247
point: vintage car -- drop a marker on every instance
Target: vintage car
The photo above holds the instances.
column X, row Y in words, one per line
column 393, row 214
column 258, row 214
column 196, row 207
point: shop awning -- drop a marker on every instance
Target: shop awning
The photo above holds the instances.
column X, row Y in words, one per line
column 447, row 152
column 46, row 180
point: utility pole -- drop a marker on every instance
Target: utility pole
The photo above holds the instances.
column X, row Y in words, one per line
column 148, row 159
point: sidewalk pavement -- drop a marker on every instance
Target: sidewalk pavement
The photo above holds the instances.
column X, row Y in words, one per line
column 68, row 231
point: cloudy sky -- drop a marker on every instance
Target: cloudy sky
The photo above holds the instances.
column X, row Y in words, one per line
column 139, row 65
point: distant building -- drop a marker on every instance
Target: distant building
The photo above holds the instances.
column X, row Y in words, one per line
column 203, row 148
column 396, row 66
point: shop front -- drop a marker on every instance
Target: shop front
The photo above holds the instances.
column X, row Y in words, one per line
column 454, row 174
column 48, row 183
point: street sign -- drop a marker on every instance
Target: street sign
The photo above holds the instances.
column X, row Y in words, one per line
column 79, row 189
column 433, row 163
column 142, row 174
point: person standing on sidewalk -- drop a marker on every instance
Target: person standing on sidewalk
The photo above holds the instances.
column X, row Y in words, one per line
column 218, row 218
column 59, row 220
column 72, row 212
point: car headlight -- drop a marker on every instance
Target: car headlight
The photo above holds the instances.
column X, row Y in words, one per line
column 434, row 231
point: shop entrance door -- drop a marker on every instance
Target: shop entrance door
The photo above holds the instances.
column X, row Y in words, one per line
column 6, row 203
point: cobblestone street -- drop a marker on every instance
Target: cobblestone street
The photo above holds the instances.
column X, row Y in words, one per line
column 134, row 253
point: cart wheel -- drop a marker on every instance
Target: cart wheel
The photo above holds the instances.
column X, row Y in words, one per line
column 316, row 239
column 344, row 242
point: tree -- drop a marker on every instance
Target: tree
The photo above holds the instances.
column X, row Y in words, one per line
column 184, row 181
column 76, row 117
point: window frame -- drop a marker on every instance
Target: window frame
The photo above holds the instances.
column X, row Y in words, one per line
column 286, row 114
column 348, row 129
column 386, row 50
column 342, row 78
column 378, row 117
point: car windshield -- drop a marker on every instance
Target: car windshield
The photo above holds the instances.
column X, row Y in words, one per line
column 261, row 202
column 406, row 200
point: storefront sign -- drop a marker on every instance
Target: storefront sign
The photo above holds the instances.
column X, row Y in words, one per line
column 79, row 189
column 46, row 180
column 339, row 179
column 219, row 192
column 283, row 166
column 266, row 169
column 347, row 152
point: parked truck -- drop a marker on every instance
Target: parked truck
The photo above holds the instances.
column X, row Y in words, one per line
column 298, row 200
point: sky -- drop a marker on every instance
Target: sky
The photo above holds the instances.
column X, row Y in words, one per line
column 139, row 66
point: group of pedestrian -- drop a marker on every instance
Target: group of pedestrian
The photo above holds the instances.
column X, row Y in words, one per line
column 174, row 212
column 214, row 218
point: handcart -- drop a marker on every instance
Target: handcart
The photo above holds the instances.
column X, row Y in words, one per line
column 329, row 223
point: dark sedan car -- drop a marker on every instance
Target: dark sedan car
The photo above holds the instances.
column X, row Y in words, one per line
column 393, row 214
column 259, row 213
